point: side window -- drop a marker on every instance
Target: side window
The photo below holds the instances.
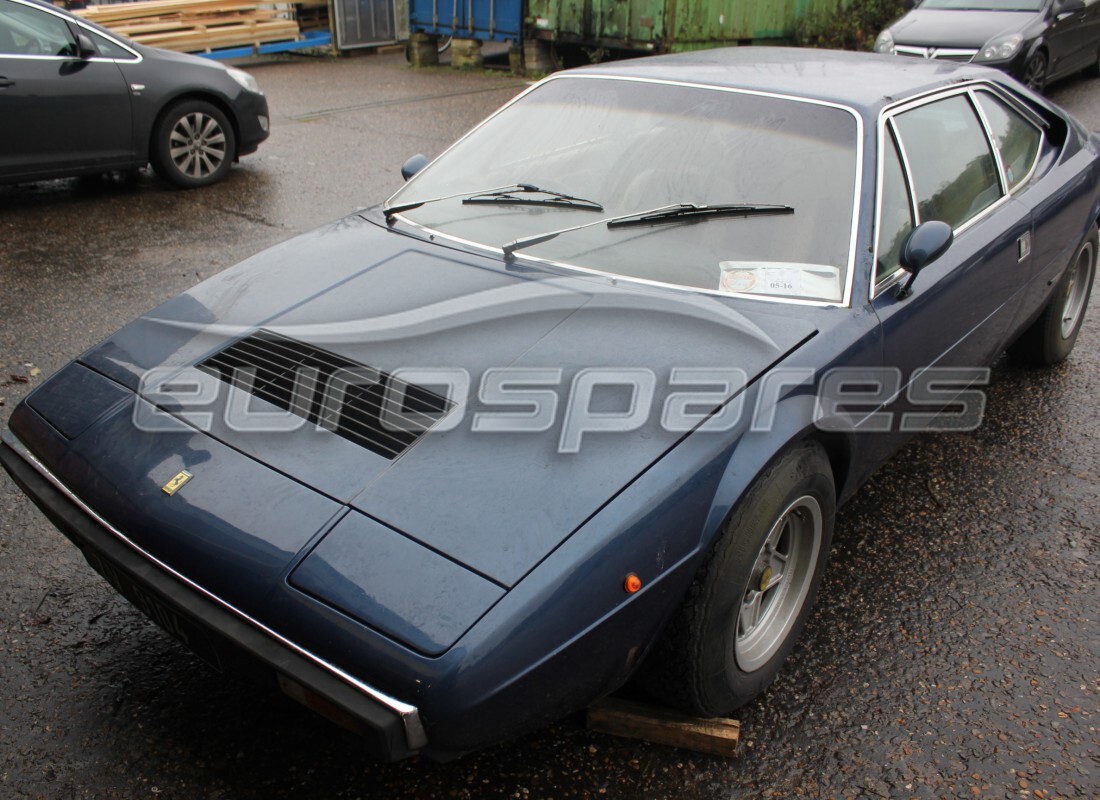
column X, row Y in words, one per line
column 952, row 168
column 896, row 218
column 1017, row 139
column 8, row 31
column 30, row 32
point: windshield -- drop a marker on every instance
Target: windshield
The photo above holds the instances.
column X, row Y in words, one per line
column 635, row 146
column 984, row 5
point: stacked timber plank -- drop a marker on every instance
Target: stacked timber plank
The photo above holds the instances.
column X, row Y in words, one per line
column 197, row 26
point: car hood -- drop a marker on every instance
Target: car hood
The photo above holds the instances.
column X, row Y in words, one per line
column 948, row 28
column 492, row 500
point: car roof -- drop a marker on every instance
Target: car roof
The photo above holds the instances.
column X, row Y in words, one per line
column 864, row 81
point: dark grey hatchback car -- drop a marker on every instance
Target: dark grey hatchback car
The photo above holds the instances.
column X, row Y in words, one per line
column 1035, row 41
column 76, row 99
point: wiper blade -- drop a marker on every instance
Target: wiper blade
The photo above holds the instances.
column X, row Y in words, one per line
column 656, row 216
column 498, row 192
column 689, row 210
column 555, row 199
column 397, row 209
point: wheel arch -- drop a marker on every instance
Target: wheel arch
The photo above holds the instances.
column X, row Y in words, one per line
column 214, row 99
column 755, row 452
column 1039, row 45
column 838, row 448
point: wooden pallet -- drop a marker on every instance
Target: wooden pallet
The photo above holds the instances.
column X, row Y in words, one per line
column 113, row 12
column 658, row 725
column 196, row 26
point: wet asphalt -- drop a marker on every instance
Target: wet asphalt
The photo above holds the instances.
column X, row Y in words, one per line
column 954, row 650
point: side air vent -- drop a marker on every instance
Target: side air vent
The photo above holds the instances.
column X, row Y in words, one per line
column 359, row 403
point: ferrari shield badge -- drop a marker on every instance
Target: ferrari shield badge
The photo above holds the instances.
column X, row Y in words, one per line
column 177, row 482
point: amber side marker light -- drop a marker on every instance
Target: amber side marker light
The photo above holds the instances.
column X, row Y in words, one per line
column 632, row 583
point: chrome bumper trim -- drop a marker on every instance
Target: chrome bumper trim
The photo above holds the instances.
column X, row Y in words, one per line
column 415, row 736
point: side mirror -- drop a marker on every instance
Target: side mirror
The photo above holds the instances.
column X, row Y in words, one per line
column 84, row 47
column 924, row 244
column 413, row 165
column 1065, row 8
column 909, row 5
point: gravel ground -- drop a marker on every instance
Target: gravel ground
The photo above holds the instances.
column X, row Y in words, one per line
column 954, row 651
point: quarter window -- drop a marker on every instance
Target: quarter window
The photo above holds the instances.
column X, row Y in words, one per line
column 1016, row 138
column 896, row 219
column 952, row 168
column 109, row 49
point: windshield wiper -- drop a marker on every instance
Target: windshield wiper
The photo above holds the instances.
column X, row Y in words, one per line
column 511, row 197
column 658, row 216
column 499, row 192
column 689, row 210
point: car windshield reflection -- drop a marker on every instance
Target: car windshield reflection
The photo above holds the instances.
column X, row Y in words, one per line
column 632, row 146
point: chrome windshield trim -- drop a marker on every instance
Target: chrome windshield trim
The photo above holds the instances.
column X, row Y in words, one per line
column 614, row 275
column 415, row 735
column 846, row 298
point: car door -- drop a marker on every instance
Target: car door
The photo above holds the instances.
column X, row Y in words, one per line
column 1070, row 39
column 938, row 161
column 61, row 113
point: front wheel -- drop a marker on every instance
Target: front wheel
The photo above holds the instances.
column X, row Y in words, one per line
column 1035, row 72
column 1051, row 338
column 193, row 144
column 743, row 614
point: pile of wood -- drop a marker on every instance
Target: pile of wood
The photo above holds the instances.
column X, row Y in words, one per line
column 197, row 26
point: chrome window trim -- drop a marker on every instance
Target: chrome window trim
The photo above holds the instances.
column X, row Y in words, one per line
column 895, row 276
column 914, row 207
column 415, row 735
column 984, row 122
column 989, row 131
column 969, row 88
column 846, row 298
column 137, row 57
column 890, row 280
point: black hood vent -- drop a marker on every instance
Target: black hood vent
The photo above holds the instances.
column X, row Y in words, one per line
column 359, row 403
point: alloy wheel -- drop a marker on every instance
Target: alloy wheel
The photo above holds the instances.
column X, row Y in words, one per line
column 1077, row 291
column 779, row 583
column 1035, row 73
column 197, row 144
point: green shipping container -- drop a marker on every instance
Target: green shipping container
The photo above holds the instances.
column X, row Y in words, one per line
column 667, row 25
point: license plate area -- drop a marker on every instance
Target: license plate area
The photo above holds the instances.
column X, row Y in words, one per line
column 182, row 628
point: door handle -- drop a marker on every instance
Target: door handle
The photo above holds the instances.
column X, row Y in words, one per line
column 6, row 82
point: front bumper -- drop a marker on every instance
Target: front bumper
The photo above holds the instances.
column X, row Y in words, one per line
column 217, row 631
column 253, row 122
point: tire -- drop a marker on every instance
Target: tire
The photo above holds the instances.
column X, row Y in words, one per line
column 1034, row 75
column 1051, row 338
column 729, row 636
column 193, row 144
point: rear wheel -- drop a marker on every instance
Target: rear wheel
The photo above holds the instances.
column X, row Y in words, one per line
column 1052, row 336
column 744, row 612
column 193, row 144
